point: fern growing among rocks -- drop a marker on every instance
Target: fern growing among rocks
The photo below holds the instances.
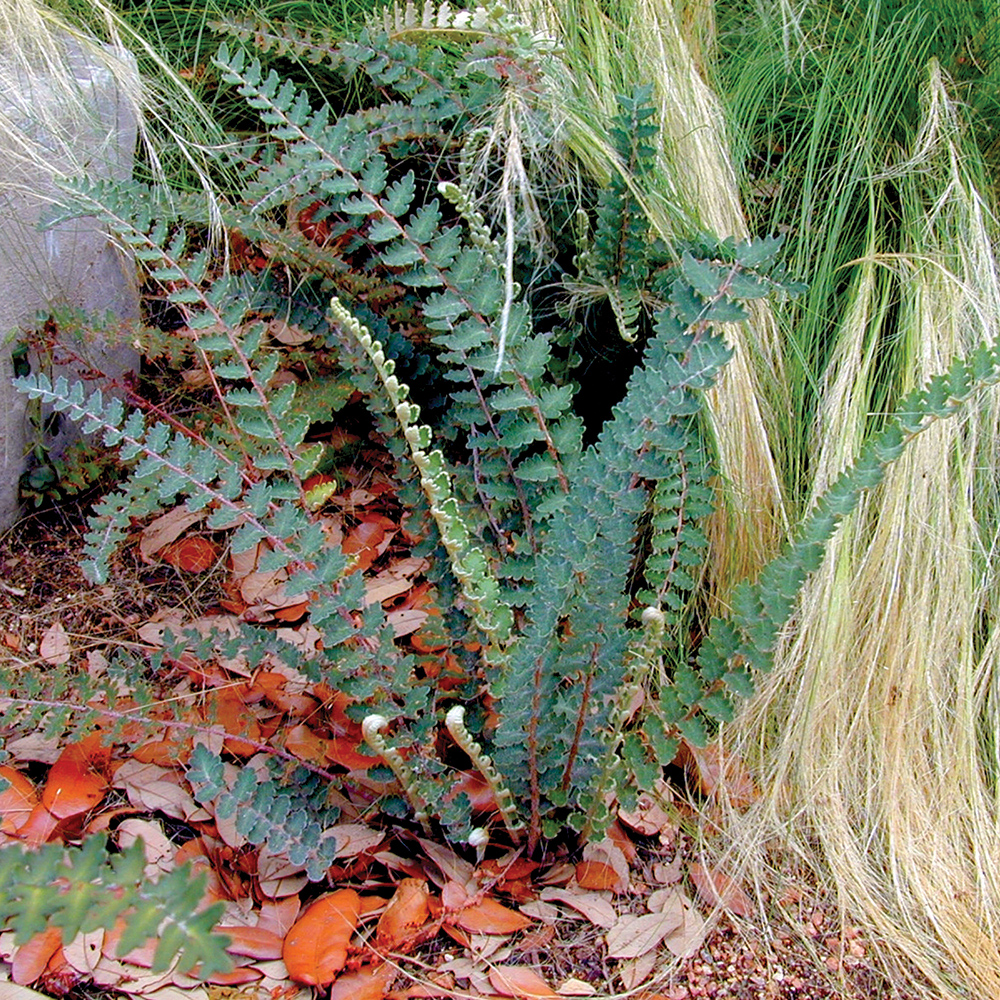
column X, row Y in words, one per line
column 573, row 570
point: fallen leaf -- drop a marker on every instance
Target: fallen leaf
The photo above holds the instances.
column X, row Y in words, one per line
column 485, row 917
column 687, row 939
column 370, row 982
column 633, row 972
column 279, row 916
column 407, row 911
column 17, row 801
column 340, row 750
column 83, row 953
column 717, row 772
column 306, row 745
column 235, row 977
column 454, row 868
column 165, row 529
column 55, row 646
column 74, row 784
column 30, row 960
column 157, row 847
column 254, row 942
column 362, row 542
column 156, row 788
column 519, row 981
column 598, row 875
column 575, row 988
column 227, row 707
column 288, row 334
column 315, row 949
column 354, row 838
column 191, row 555
column 594, row 907
column 632, row 936
column 477, row 789
column 716, row 889
column 649, row 817
column 39, row 828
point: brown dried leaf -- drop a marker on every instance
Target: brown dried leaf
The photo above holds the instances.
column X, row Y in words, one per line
column 157, row 847
column 288, row 334
column 454, row 868
column 354, row 838
column 594, row 907
column 573, row 987
column 156, row 788
column 649, row 817
column 55, row 645
column 716, row 889
column 166, row 529
column 279, row 916
column 632, row 936
column 716, row 772
column 688, row 938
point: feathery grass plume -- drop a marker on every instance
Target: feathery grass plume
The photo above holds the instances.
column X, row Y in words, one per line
column 44, row 41
column 876, row 732
column 607, row 52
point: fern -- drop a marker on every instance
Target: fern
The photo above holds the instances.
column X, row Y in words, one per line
column 96, row 891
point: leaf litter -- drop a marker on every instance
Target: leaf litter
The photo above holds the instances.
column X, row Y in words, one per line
column 398, row 916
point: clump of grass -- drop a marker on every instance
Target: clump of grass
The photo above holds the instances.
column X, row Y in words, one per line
column 875, row 733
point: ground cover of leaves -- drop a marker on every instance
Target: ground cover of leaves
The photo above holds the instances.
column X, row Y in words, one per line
column 398, row 915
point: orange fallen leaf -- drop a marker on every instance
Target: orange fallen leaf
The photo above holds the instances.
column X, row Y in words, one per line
column 340, row 750
column 39, row 828
column 227, row 707
column 362, row 541
column 192, row 555
column 306, row 745
column 75, row 784
column 485, row 917
column 370, row 982
column 597, row 875
column 17, row 801
column 407, row 911
column 481, row 796
column 166, row 529
column 519, row 981
column 315, row 949
column 33, row 956
column 292, row 613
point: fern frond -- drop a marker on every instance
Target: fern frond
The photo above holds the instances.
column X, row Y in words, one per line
column 83, row 889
